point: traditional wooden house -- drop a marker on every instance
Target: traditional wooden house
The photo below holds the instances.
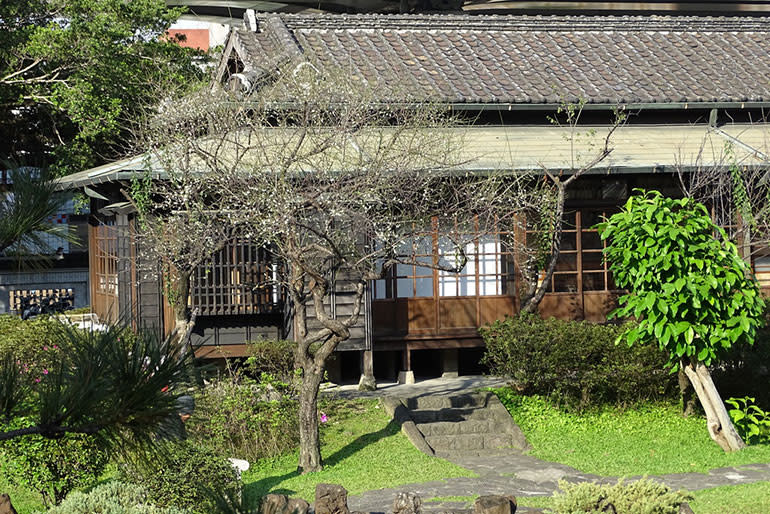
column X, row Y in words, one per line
column 697, row 89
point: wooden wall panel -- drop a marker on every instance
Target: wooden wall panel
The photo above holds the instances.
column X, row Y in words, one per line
column 493, row 308
column 597, row 304
column 562, row 306
column 384, row 317
column 422, row 314
column 459, row 312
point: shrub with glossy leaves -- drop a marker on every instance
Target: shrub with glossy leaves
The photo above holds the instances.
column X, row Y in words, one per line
column 273, row 357
column 34, row 343
column 576, row 364
column 752, row 423
column 694, row 295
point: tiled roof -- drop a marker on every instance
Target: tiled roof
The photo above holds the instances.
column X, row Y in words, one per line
column 530, row 59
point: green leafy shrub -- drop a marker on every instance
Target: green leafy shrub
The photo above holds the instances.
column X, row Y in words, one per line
column 641, row 497
column 34, row 343
column 693, row 293
column 243, row 418
column 275, row 357
column 111, row 498
column 752, row 423
column 745, row 369
column 576, row 364
column 184, row 477
column 52, row 467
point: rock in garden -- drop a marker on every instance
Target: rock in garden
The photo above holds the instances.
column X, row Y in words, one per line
column 684, row 508
column 494, row 505
column 331, row 499
column 407, row 503
column 274, row 504
column 6, row 507
column 297, row 506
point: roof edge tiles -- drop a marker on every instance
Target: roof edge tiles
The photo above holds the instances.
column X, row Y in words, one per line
column 525, row 61
column 522, row 22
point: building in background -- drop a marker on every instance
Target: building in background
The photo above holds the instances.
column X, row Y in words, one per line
column 692, row 82
column 65, row 269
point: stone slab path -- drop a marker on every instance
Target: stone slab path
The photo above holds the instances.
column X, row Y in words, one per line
column 513, row 472
column 523, row 475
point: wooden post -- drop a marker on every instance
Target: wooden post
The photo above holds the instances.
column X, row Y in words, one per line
column 407, row 375
column 367, row 381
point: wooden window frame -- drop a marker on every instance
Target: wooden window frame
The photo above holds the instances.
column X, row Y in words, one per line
column 577, row 230
column 503, row 258
column 239, row 279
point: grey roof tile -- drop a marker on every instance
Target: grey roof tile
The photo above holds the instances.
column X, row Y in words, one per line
column 531, row 59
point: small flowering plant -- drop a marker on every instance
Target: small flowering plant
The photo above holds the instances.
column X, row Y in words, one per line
column 35, row 345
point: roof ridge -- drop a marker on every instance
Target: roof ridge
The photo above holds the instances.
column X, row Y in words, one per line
column 522, row 22
column 279, row 33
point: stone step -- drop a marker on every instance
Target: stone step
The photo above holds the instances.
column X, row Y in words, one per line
column 471, row 426
column 469, row 442
column 451, row 414
column 447, row 402
column 449, row 454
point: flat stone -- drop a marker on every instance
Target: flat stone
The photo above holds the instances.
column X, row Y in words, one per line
column 407, row 503
column 542, row 475
column 6, row 507
column 494, row 504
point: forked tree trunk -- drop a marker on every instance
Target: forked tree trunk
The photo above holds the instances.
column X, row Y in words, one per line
column 718, row 421
column 309, row 442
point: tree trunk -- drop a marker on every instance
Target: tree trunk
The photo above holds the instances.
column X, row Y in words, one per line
column 532, row 303
column 718, row 421
column 183, row 323
column 309, row 441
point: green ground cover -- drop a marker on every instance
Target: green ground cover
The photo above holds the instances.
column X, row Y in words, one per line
column 644, row 440
column 362, row 450
column 24, row 500
column 743, row 499
column 746, row 499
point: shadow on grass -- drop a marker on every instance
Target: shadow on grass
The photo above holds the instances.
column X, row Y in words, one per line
column 361, row 442
column 271, row 484
column 254, row 491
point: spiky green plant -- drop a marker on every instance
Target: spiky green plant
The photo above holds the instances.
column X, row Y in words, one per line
column 25, row 214
column 118, row 387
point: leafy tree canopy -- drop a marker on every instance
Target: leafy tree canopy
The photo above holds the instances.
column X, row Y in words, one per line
column 692, row 292
column 74, row 74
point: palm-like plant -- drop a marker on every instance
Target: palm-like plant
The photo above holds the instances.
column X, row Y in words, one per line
column 118, row 387
column 26, row 211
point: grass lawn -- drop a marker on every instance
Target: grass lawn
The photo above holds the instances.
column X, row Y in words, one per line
column 746, row 499
column 24, row 500
column 362, row 450
column 645, row 440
